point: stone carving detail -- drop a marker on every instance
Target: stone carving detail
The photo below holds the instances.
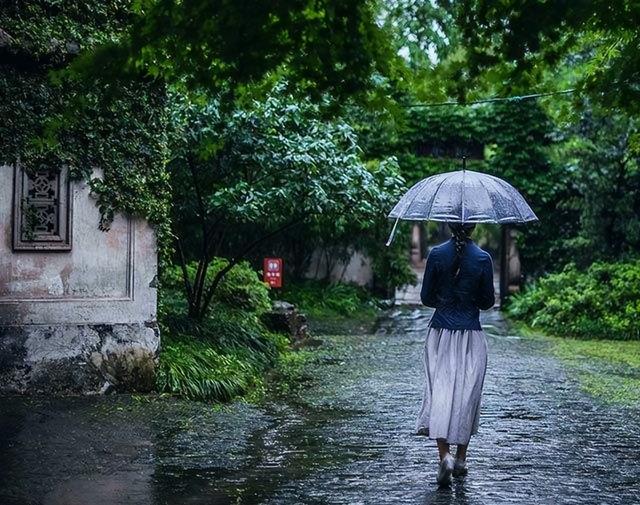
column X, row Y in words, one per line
column 42, row 199
column 42, row 210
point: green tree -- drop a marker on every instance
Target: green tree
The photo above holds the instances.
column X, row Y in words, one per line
column 516, row 43
column 601, row 151
column 319, row 45
column 333, row 239
column 243, row 176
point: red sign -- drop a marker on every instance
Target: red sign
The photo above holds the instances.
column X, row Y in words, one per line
column 272, row 272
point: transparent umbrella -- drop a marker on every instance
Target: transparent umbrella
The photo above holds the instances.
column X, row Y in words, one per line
column 463, row 196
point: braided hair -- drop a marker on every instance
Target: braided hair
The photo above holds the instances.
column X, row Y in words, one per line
column 461, row 233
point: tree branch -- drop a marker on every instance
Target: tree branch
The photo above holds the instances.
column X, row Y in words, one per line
column 237, row 259
column 185, row 273
column 203, row 265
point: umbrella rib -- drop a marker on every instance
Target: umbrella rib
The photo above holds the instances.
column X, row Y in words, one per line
column 515, row 203
column 493, row 208
column 435, row 193
column 393, row 232
column 420, row 186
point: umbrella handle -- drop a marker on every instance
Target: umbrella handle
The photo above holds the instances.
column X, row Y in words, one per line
column 393, row 232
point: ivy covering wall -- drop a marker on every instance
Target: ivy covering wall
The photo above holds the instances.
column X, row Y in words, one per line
column 55, row 116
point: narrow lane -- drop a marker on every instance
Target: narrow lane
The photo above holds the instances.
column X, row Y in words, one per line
column 541, row 440
column 346, row 439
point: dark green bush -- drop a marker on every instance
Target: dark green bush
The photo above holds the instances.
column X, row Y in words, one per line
column 600, row 302
column 219, row 358
column 321, row 298
column 226, row 354
column 241, row 288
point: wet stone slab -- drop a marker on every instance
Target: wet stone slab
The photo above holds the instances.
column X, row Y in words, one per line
column 347, row 439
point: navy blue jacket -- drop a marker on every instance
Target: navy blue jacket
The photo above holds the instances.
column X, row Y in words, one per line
column 457, row 303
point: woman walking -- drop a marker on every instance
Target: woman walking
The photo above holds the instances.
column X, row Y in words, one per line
column 458, row 281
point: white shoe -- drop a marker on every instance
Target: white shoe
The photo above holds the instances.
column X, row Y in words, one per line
column 445, row 470
column 460, row 468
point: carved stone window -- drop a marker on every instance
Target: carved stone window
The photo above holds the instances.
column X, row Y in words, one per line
column 42, row 210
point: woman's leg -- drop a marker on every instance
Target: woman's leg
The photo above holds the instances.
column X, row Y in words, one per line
column 447, row 464
column 443, row 447
column 460, row 465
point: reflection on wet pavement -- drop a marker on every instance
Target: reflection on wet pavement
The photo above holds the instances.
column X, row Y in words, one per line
column 346, row 439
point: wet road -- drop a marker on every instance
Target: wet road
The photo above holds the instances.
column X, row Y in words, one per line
column 346, row 439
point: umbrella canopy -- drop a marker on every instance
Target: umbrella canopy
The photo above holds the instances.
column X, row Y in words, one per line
column 463, row 196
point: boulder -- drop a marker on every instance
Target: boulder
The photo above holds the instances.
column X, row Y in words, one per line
column 285, row 318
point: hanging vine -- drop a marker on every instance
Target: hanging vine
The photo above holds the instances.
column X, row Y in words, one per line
column 56, row 118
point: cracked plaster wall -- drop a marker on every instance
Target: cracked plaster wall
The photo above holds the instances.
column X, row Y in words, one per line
column 82, row 320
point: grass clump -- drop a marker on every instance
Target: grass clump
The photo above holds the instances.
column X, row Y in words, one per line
column 196, row 370
column 220, row 358
column 607, row 369
column 290, row 373
column 226, row 355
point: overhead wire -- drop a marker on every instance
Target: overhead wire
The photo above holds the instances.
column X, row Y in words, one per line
column 492, row 100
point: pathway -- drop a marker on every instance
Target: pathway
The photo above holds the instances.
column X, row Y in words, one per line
column 346, row 440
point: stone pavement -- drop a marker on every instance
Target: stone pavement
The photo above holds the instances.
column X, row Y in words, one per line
column 409, row 294
column 347, row 439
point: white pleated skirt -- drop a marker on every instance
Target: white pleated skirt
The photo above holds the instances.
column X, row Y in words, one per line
column 455, row 363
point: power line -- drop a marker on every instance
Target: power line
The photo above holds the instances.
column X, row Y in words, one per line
column 496, row 99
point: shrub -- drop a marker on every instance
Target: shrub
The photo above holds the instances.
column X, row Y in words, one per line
column 321, row 298
column 227, row 353
column 601, row 302
column 241, row 287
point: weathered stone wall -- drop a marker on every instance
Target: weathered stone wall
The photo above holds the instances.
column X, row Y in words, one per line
column 82, row 320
